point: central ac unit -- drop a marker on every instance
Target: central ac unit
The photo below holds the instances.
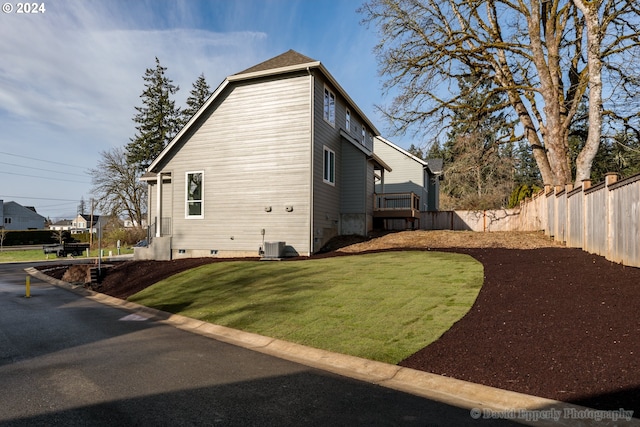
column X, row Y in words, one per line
column 274, row 249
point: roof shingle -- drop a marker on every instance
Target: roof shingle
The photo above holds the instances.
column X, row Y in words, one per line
column 287, row 59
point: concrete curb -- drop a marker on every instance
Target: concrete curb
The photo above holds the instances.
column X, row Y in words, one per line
column 482, row 401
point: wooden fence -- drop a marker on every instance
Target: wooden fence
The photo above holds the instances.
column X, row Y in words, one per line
column 603, row 219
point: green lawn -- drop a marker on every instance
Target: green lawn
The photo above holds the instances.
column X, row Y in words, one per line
column 382, row 306
column 7, row 255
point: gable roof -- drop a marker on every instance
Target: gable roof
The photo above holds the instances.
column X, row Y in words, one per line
column 290, row 58
column 289, row 61
column 30, row 211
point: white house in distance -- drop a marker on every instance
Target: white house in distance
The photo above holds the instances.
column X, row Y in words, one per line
column 409, row 175
column 84, row 223
column 62, row 225
column 14, row 216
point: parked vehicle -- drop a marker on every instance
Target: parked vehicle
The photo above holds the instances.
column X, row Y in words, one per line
column 66, row 248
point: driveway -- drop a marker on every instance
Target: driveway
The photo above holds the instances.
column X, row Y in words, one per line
column 68, row 360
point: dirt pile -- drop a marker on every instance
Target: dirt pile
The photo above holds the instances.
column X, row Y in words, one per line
column 420, row 239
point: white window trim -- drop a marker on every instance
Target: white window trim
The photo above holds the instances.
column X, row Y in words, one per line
column 332, row 172
column 347, row 119
column 186, row 196
column 330, row 115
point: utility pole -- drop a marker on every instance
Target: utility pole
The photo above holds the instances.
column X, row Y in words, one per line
column 91, row 224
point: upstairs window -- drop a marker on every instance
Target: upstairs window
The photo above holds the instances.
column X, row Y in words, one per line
column 329, row 166
column 348, row 120
column 194, row 202
column 329, row 106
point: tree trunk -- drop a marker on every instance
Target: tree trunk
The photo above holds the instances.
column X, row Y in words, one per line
column 594, row 61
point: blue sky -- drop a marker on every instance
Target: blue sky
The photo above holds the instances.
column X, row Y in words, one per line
column 70, row 77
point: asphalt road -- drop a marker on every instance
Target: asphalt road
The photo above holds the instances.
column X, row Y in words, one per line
column 67, row 360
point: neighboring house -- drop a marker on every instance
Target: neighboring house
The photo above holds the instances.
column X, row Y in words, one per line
column 410, row 174
column 85, row 223
column 17, row 217
column 129, row 223
column 62, row 225
column 279, row 153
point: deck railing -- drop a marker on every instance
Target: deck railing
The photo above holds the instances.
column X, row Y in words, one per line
column 397, row 202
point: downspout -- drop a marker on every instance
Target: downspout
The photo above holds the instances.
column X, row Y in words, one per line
column 312, row 157
column 159, row 205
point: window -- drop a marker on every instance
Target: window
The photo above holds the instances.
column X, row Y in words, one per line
column 348, row 120
column 194, row 195
column 329, row 175
column 329, row 106
column 364, row 135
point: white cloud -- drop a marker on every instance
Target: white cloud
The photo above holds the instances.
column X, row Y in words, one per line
column 70, row 79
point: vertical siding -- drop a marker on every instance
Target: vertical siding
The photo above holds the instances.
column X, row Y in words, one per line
column 253, row 148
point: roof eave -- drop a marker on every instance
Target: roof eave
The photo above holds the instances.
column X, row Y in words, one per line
column 402, row 150
column 273, row 71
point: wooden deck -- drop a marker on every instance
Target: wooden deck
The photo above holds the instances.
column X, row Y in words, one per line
column 397, row 205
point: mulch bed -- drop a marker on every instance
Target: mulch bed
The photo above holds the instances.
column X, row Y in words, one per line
column 552, row 322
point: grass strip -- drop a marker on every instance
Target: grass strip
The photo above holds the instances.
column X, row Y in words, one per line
column 380, row 306
column 8, row 255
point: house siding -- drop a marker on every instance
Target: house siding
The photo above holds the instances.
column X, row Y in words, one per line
column 17, row 217
column 326, row 200
column 408, row 175
column 353, row 201
column 253, row 147
column 354, row 169
column 330, row 202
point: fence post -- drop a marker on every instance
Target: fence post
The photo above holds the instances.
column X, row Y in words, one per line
column 586, row 184
column 610, row 178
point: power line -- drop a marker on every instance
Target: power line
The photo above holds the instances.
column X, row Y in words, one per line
column 42, row 160
column 38, row 198
column 46, row 177
column 39, row 169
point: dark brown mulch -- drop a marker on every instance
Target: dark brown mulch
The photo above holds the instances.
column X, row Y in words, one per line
column 552, row 322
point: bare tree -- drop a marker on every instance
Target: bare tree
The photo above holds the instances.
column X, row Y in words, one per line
column 3, row 235
column 532, row 51
column 481, row 177
column 117, row 187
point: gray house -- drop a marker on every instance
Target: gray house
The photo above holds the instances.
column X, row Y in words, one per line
column 277, row 161
column 14, row 216
column 412, row 187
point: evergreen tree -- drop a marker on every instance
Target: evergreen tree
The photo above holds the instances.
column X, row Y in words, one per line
column 416, row 151
column 158, row 118
column 479, row 158
column 198, row 95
